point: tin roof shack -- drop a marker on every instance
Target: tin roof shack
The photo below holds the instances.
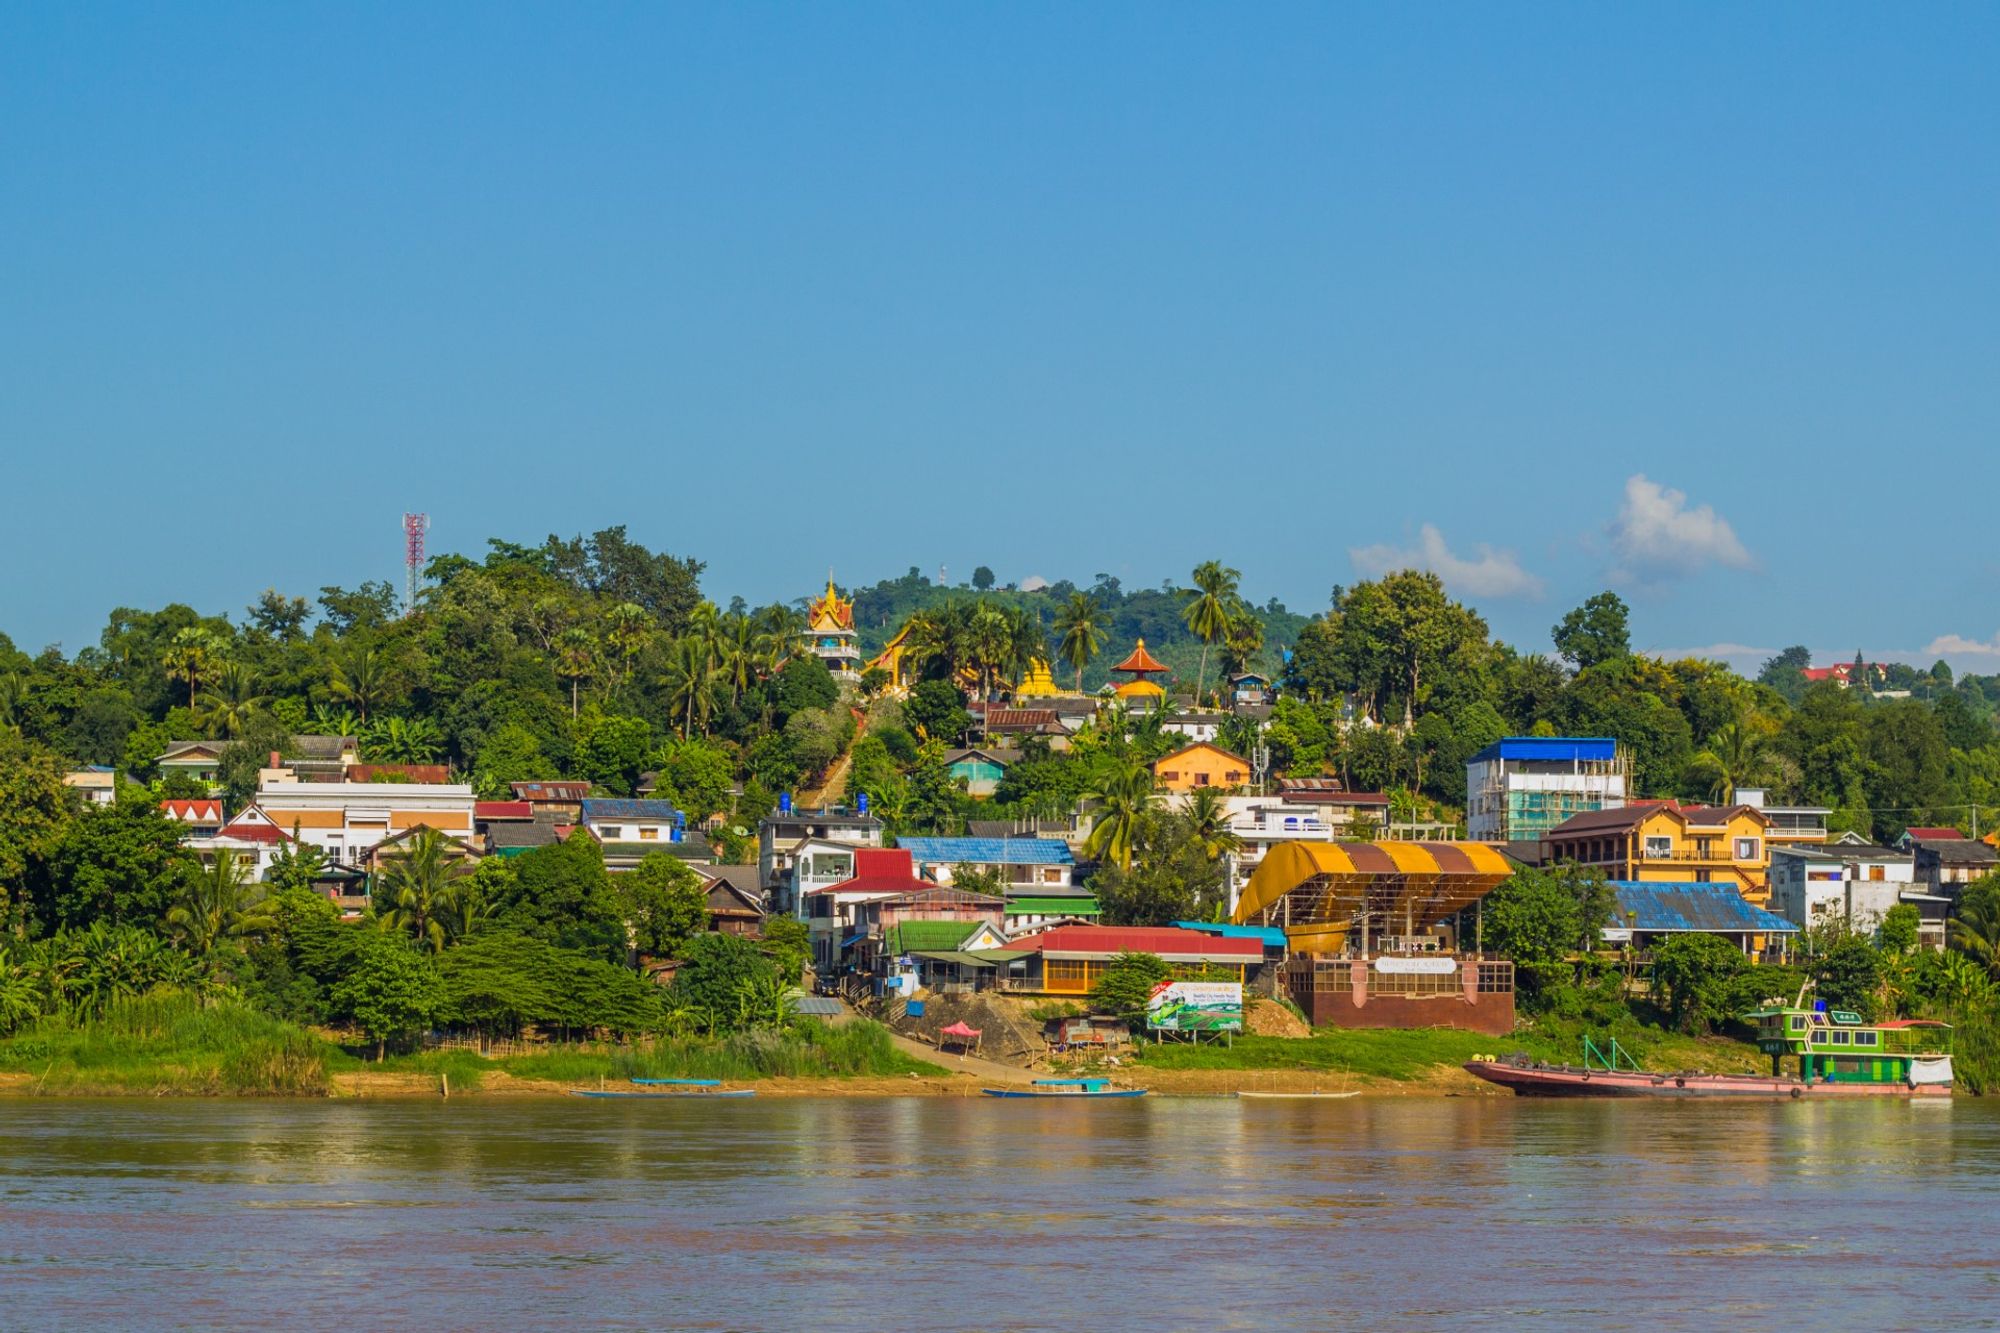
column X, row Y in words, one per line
column 1068, row 960
column 735, row 903
column 1087, row 1033
column 1647, row 913
column 1944, row 866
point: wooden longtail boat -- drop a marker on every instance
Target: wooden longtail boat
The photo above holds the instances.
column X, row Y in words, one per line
column 1838, row 1055
column 1301, row 1096
column 687, row 1095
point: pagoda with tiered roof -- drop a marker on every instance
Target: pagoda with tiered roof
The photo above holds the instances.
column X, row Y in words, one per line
column 1139, row 668
column 830, row 634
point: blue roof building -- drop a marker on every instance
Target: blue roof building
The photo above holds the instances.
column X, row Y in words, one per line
column 1646, row 912
column 1519, row 788
column 1038, row 863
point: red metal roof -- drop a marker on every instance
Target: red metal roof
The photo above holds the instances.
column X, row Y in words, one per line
column 1140, row 661
column 550, row 791
column 1934, row 834
column 196, row 811
column 1166, row 941
column 503, row 810
column 1009, row 718
column 881, row 870
column 245, row 831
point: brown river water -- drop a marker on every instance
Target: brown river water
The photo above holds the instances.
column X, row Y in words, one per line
column 858, row 1213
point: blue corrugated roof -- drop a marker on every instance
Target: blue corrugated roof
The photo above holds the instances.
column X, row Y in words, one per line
column 1550, row 749
column 1715, row 908
column 989, row 851
column 613, row 808
column 1270, row 936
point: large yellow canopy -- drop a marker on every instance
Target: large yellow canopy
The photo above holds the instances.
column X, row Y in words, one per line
column 1329, row 884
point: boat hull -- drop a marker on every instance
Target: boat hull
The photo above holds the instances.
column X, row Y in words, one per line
column 1300, row 1096
column 691, row 1094
column 1065, row 1096
column 1532, row 1080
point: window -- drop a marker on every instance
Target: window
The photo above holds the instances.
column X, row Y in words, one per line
column 1877, row 872
column 1866, row 1038
column 1659, row 846
column 611, row 832
column 1170, row 775
column 1797, row 1022
column 649, row 835
column 1749, row 849
column 1840, row 1036
column 1201, row 779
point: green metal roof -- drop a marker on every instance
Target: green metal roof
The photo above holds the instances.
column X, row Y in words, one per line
column 1080, row 905
column 927, row 936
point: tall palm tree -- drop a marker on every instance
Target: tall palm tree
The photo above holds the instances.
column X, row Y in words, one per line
column 742, row 651
column 992, row 644
column 1242, row 642
column 1124, row 793
column 189, row 657
column 1080, row 625
column 1208, row 822
column 217, row 902
column 1207, row 610
column 361, row 675
column 576, row 660
column 1734, row 754
column 690, row 683
column 231, row 699
column 418, row 882
column 1975, row 931
column 628, row 628
column 13, row 697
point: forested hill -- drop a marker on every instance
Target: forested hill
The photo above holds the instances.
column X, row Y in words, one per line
column 1154, row 614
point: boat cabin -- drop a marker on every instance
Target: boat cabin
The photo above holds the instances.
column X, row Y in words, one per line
column 1836, row 1046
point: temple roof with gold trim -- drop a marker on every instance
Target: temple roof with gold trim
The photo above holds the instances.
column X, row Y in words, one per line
column 829, row 612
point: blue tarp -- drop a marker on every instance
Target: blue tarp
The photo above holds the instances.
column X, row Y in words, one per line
column 1550, row 749
column 989, row 851
column 1716, row 909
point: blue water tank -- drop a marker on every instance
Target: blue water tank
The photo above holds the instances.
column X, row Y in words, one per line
column 916, row 1009
column 861, row 802
column 784, row 803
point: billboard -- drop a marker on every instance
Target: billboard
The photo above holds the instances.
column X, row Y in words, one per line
column 1196, row 1006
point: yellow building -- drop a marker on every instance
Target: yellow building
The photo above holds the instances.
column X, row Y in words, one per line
column 1038, row 683
column 830, row 633
column 1201, row 765
column 1661, row 842
column 1141, row 666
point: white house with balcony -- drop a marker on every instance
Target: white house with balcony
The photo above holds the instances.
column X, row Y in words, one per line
column 346, row 819
column 1261, row 823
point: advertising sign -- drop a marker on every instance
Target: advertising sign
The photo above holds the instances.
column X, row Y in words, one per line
column 1433, row 963
column 1196, row 1006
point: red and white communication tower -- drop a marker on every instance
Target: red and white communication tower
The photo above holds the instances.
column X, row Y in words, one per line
column 414, row 528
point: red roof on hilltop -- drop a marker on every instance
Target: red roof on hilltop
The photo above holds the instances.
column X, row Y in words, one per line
column 1167, row 941
column 1935, row 834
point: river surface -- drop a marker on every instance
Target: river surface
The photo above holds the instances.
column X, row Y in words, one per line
column 1162, row 1213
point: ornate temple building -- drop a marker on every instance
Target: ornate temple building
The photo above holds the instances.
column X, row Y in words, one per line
column 830, row 634
column 1139, row 689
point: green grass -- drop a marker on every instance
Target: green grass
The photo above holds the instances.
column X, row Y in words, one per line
column 1402, row 1055
column 172, row 1044
column 808, row 1049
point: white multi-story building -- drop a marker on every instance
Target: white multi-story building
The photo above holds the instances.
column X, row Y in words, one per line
column 799, row 850
column 346, row 819
column 1518, row 789
column 1856, row 883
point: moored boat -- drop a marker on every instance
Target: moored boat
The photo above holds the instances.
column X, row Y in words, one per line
column 1301, row 1096
column 1069, row 1088
column 1838, row 1055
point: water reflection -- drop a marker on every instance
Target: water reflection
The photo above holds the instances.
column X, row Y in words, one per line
column 1399, row 1213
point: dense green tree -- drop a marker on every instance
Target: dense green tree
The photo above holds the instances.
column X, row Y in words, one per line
column 36, row 813
column 121, row 864
column 664, row 903
column 562, row 894
column 716, row 974
column 390, row 990
column 1170, row 877
column 1127, row 983
column 1599, row 631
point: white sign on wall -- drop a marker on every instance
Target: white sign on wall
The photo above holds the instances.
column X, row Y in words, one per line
column 1429, row 963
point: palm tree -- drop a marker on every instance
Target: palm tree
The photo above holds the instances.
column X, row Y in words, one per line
column 1242, row 643
column 991, row 639
column 231, row 699
column 403, row 740
column 1208, row 822
column 690, row 683
column 742, row 654
column 576, row 660
column 1124, row 793
column 13, row 696
column 327, row 721
column 189, row 657
column 1975, row 931
column 1081, row 624
column 218, row 902
column 629, row 629
column 420, row 882
column 941, row 640
column 1734, row 753
column 1210, row 604
column 361, row 676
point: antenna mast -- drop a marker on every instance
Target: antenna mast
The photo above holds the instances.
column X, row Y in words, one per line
column 414, row 528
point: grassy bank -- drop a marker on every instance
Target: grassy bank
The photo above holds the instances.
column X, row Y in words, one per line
column 1406, row 1055
column 172, row 1045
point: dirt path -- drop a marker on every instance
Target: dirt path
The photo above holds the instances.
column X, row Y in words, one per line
column 970, row 1065
column 835, row 781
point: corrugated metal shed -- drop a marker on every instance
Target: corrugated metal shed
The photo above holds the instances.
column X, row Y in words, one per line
column 623, row 808
column 1715, row 909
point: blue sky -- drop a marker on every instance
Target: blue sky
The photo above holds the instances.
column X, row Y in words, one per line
column 1695, row 302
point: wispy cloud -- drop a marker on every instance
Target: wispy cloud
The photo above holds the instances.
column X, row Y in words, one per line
column 1957, row 645
column 1489, row 573
column 1658, row 535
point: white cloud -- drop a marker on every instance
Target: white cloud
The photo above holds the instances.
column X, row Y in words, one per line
column 1033, row 583
column 1957, row 645
column 1657, row 536
column 1489, row 573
